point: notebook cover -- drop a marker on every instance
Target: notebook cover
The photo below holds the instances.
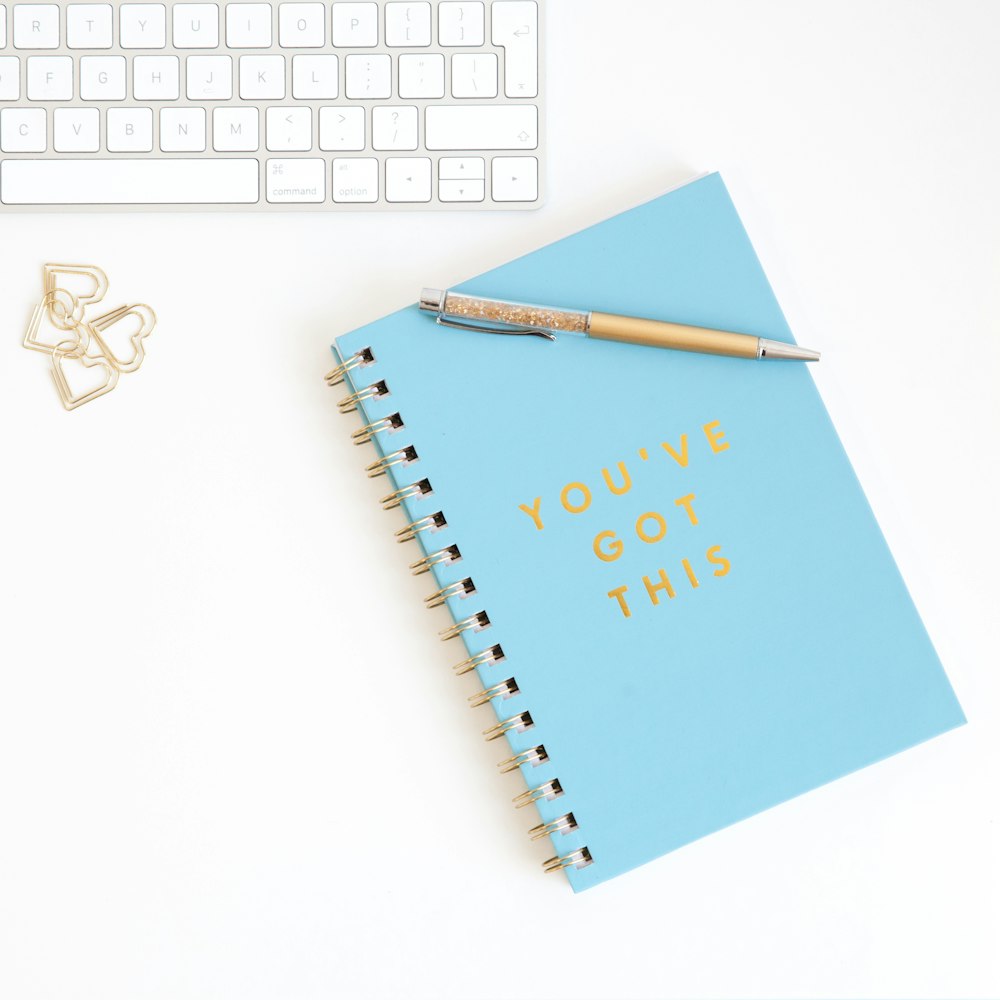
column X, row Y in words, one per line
column 785, row 652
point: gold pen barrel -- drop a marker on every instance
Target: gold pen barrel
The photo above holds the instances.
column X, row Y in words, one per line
column 653, row 333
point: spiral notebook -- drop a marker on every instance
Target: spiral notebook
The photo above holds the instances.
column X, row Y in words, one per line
column 667, row 581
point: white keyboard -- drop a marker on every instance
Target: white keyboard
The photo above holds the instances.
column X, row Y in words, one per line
column 271, row 106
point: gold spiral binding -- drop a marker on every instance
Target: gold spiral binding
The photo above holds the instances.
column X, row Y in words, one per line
column 461, row 589
column 492, row 655
column 477, row 622
column 518, row 723
column 505, row 689
column 449, row 554
column 393, row 422
column 515, row 724
column 575, row 859
column 363, row 357
column 392, row 500
column 402, row 457
column 433, row 522
column 350, row 403
column 548, row 790
column 562, row 825
column 534, row 757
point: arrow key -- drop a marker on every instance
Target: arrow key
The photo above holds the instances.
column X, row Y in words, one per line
column 462, row 168
column 408, row 178
column 468, row 190
column 515, row 178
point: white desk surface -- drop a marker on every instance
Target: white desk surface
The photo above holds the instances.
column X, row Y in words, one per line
column 233, row 759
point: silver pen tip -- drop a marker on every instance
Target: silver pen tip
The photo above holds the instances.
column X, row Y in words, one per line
column 432, row 299
column 777, row 350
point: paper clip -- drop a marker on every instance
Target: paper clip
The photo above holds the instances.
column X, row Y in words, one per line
column 82, row 342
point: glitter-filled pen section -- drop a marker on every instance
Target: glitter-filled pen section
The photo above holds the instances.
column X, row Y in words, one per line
column 468, row 307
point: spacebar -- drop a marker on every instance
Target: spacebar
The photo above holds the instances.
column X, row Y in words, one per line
column 129, row 182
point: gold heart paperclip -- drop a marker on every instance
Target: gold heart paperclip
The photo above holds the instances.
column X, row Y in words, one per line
column 100, row 326
column 65, row 353
column 60, row 328
column 98, row 279
column 64, row 311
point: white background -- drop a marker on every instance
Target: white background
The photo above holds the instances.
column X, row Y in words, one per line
column 234, row 761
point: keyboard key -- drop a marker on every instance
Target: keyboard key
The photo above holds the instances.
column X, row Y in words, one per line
column 196, row 26
column 470, row 190
column 290, row 181
column 408, row 179
column 248, row 25
column 355, row 181
column 461, row 23
column 302, row 25
column 22, row 130
column 182, row 130
column 3, row 26
column 142, row 25
column 236, row 130
column 315, row 78
column 421, row 75
column 129, row 181
column 355, row 25
column 369, row 77
column 262, row 78
column 515, row 178
column 394, row 128
column 289, row 130
column 50, row 78
column 461, row 168
column 102, row 78
column 209, row 78
column 515, row 27
column 407, row 24
column 88, row 26
column 10, row 78
column 485, row 126
column 76, row 130
column 36, row 26
column 341, row 129
column 474, row 75
column 156, row 78
column 130, row 130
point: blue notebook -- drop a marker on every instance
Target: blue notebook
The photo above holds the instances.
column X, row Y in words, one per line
column 660, row 565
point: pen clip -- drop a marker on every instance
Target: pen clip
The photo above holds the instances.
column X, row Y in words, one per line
column 517, row 331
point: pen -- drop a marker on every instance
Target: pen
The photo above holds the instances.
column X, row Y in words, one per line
column 483, row 315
